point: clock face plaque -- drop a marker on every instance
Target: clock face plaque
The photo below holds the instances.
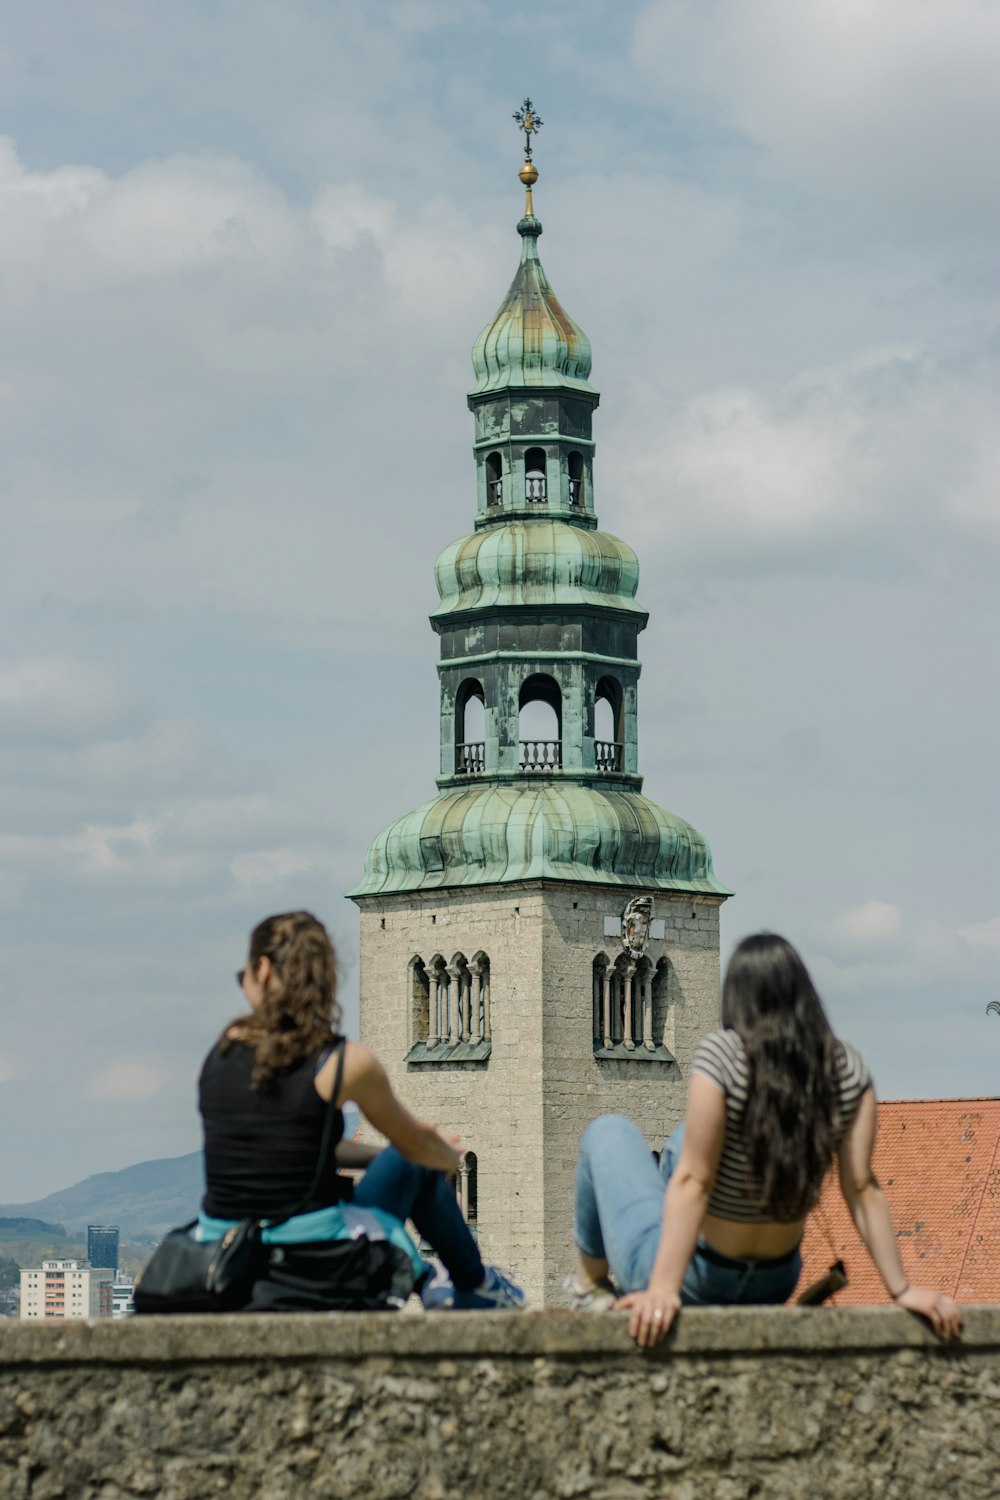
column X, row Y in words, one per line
column 635, row 925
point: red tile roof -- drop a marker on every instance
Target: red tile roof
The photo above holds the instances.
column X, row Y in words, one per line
column 938, row 1162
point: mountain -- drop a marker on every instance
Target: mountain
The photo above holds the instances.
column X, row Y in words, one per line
column 146, row 1199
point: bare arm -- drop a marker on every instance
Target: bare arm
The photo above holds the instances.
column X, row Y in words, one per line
column 366, row 1082
column 653, row 1311
column 870, row 1213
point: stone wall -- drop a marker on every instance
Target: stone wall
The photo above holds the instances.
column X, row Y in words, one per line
column 523, row 1111
column 835, row 1404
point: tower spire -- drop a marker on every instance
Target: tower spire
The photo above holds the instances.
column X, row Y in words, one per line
column 530, row 122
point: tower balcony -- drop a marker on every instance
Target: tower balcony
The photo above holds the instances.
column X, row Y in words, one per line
column 470, row 759
column 539, row 756
column 535, row 757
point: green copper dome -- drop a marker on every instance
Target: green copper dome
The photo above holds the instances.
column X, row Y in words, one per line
column 532, row 341
column 490, row 834
column 537, row 563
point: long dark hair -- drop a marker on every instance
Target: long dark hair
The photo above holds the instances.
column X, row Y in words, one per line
column 298, row 1014
column 789, row 1123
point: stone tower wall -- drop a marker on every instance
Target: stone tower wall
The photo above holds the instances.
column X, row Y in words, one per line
column 524, row 1111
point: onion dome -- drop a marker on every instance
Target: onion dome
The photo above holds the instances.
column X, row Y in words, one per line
column 532, row 342
column 495, row 833
column 543, row 562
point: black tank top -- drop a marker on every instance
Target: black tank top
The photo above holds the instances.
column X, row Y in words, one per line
column 261, row 1145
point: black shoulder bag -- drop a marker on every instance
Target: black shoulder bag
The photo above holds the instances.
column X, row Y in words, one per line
column 186, row 1275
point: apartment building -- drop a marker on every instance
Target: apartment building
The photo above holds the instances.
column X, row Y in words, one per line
column 66, row 1289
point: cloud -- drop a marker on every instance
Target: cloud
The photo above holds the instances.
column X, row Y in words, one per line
column 58, row 698
column 891, row 102
column 855, row 453
column 267, row 867
column 871, row 925
column 983, row 934
column 128, row 1080
column 10, row 1068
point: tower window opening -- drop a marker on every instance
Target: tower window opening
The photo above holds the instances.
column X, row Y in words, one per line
column 470, row 729
column 663, row 1014
column 609, row 748
column 450, row 1002
column 534, row 476
column 540, row 725
column 438, row 1018
column 628, row 1013
column 420, row 992
column 467, row 1189
column 575, row 467
column 494, row 479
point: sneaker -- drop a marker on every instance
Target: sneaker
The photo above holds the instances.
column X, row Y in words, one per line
column 495, row 1294
column 591, row 1296
column 438, row 1291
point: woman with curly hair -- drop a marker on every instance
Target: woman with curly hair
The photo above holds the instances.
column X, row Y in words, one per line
column 265, row 1094
column 773, row 1097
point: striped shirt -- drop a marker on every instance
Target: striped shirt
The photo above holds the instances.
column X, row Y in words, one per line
column 737, row 1191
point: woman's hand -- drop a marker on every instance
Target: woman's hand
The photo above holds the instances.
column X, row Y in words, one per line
column 941, row 1311
column 651, row 1315
column 451, row 1150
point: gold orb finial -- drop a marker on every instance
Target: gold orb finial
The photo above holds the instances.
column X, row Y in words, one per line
column 530, row 122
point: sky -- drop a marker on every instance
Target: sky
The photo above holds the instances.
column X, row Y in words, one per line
column 246, row 250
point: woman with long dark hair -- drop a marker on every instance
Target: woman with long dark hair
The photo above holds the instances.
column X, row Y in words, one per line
column 265, row 1094
column 773, row 1097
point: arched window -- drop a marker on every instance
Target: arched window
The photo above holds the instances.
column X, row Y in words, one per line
column 540, row 724
column 642, row 988
column 494, row 479
column 438, row 1021
column 663, row 1015
column 602, row 1002
column 450, row 1010
column 470, row 729
column 609, row 748
column 459, row 999
column 419, row 990
column 574, row 466
column 534, row 476
column 467, row 1186
column 480, row 1020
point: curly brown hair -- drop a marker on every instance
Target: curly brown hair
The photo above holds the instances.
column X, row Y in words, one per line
column 298, row 1014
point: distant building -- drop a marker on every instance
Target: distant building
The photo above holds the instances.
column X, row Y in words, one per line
column 66, row 1289
column 123, row 1296
column 102, row 1245
column 938, row 1164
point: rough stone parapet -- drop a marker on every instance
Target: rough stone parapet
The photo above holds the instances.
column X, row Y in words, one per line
column 852, row 1403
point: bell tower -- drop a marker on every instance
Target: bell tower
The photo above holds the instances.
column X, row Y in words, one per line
column 500, row 984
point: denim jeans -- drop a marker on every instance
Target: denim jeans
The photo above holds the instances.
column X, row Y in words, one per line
column 428, row 1200
column 619, row 1215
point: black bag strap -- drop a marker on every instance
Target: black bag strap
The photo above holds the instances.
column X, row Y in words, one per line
column 324, row 1145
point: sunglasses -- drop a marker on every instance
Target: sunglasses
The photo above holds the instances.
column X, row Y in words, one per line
column 239, row 978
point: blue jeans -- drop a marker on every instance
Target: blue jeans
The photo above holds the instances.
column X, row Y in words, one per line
column 619, row 1215
column 428, row 1200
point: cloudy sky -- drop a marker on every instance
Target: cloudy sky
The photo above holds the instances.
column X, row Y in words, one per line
column 246, row 248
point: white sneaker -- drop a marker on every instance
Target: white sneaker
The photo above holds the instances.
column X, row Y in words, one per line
column 590, row 1296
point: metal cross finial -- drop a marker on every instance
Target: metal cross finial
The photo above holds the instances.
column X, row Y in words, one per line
column 529, row 122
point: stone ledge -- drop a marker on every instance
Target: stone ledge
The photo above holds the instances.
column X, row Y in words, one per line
column 843, row 1404
column 710, row 1331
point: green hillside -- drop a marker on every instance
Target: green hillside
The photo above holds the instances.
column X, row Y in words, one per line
column 144, row 1200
